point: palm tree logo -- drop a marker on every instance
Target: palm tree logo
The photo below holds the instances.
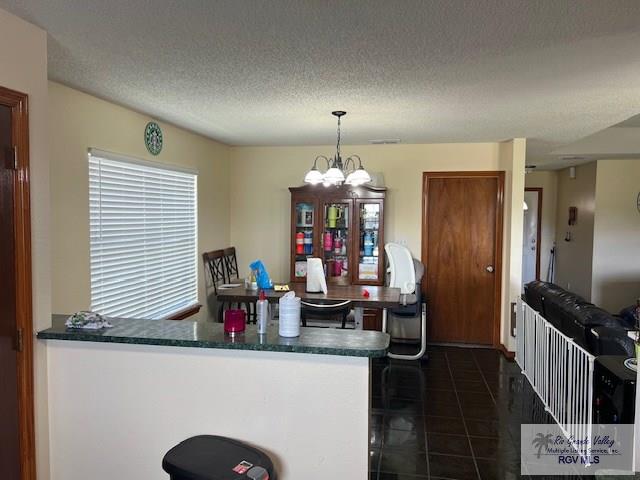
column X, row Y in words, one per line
column 541, row 441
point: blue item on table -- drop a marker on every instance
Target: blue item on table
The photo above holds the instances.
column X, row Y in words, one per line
column 262, row 277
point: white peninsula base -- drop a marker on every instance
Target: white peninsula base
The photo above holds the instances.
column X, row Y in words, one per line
column 116, row 409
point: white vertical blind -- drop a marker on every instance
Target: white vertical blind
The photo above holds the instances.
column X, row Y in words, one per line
column 143, row 221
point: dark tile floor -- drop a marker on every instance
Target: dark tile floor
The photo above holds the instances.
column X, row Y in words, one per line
column 456, row 415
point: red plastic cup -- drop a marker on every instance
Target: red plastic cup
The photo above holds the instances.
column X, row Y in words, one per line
column 234, row 321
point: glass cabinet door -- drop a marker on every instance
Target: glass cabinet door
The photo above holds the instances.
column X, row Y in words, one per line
column 304, row 235
column 369, row 246
column 335, row 240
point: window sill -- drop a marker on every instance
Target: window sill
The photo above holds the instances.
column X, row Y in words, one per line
column 185, row 312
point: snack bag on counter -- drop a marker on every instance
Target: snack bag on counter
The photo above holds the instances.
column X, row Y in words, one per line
column 262, row 277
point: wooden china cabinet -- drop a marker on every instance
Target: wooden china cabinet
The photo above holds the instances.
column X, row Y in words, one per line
column 344, row 226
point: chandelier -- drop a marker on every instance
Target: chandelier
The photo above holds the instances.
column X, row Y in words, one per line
column 338, row 171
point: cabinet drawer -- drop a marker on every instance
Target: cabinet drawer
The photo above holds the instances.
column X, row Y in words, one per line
column 372, row 319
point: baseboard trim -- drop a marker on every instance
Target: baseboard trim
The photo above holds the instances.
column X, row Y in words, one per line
column 509, row 355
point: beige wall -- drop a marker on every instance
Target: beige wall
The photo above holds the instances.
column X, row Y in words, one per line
column 78, row 121
column 23, row 67
column 616, row 244
column 512, row 160
column 574, row 259
column 548, row 181
column 260, row 199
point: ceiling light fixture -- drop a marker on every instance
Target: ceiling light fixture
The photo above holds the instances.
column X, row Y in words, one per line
column 338, row 171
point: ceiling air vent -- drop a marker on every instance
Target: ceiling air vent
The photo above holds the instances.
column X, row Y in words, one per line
column 385, row 141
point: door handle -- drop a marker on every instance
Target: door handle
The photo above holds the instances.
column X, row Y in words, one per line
column 490, row 268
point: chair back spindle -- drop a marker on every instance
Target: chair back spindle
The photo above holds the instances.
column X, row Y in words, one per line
column 231, row 263
column 215, row 264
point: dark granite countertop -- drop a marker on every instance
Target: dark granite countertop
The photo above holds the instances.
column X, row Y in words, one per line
column 323, row 341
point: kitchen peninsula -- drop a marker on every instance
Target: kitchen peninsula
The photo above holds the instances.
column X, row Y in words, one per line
column 153, row 383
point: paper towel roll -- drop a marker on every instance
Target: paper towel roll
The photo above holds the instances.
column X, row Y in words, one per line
column 316, row 282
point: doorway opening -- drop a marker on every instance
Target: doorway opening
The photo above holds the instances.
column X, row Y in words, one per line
column 531, row 235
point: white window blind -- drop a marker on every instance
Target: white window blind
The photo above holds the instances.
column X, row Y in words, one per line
column 143, row 237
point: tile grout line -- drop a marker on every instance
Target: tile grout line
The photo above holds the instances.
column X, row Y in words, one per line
column 484, row 379
column 423, row 394
column 382, row 430
column 382, row 435
column 464, row 422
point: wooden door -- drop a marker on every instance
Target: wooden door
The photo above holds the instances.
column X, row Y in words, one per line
column 462, row 252
column 17, row 455
column 9, row 428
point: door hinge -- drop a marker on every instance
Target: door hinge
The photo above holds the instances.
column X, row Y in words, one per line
column 11, row 158
column 19, row 340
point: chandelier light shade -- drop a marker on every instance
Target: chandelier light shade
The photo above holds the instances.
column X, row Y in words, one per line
column 334, row 176
column 314, row 176
column 359, row 176
column 338, row 171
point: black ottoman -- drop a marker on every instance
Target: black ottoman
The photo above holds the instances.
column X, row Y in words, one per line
column 209, row 457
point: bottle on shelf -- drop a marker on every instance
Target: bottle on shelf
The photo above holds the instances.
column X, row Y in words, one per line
column 368, row 244
column 337, row 244
column 337, row 268
column 308, row 242
column 328, row 242
column 299, row 242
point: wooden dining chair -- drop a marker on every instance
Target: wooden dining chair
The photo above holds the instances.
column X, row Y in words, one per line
column 233, row 275
column 325, row 311
column 231, row 263
column 214, row 265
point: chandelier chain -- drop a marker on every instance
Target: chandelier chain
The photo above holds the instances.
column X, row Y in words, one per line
column 338, row 144
column 339, row 171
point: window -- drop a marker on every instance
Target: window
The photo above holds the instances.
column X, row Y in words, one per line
column 143, row 237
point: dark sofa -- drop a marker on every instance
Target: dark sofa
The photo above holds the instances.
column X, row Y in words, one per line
column 591, row 327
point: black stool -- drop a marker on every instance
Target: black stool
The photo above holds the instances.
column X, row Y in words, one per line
column 209, row 457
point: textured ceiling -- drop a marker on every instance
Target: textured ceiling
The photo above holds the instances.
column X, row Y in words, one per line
column 269, row 72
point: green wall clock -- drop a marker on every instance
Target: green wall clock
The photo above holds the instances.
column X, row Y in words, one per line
column 153, row 138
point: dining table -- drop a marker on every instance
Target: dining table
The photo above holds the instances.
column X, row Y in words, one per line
column 360, row 296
